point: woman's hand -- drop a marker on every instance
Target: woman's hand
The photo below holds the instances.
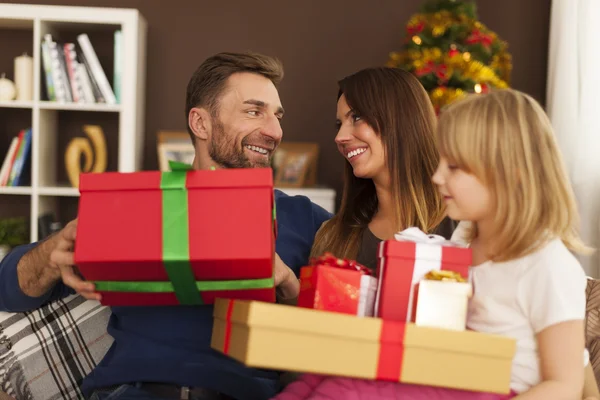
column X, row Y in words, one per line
column 286, row 284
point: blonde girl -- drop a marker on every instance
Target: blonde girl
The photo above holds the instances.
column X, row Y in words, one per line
column 501, row 170
column 501, row 173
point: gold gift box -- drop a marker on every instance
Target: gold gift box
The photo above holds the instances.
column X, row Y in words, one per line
column 285, row 338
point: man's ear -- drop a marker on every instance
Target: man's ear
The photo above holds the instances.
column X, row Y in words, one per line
column 199, row 121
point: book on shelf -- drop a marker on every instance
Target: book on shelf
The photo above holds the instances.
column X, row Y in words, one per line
column 73, row 72
column 118, row 65
column 17, row 164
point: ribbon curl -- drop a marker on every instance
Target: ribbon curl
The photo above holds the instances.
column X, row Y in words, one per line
column 416, row 235
column 328, row 259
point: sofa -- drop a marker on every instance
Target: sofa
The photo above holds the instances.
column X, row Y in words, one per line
column 592, row 324
column 46, row 353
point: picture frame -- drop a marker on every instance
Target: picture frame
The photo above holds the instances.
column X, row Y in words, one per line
column 175, row 146
column 295, row 164
column 180, row 137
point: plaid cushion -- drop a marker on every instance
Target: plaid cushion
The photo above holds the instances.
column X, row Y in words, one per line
column 46, row 353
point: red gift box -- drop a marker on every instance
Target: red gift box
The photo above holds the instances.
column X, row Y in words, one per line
column 155, row 238
column 338, row 285
column 403, row 263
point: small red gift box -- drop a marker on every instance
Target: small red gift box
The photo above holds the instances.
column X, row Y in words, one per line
column 404, row 262
column 177, row 237
column 337, row 285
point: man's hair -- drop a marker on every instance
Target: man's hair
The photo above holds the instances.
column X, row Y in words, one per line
column 506, row 140
column 208, row 82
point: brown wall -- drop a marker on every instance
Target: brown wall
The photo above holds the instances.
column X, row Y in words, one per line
column 319, row 42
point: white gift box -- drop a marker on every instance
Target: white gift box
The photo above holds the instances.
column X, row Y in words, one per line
column 442, row 304
column 368, row 292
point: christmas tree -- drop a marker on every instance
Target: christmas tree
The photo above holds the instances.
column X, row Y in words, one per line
column 452, row 53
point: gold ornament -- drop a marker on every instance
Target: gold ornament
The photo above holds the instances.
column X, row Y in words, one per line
column 438, row 30
column 415, row 20
column 395, row 56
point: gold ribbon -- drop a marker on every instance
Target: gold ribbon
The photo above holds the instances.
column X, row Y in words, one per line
column 447, row 276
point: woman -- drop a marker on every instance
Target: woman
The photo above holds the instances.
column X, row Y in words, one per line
column 385, row 130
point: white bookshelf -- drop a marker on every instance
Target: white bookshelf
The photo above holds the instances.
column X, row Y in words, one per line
column 45, row 191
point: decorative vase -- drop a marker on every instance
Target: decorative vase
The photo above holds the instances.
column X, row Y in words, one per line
column 93, row 150
column 7, row 89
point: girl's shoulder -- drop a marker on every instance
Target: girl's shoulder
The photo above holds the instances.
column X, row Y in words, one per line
column 552, row 257
column 552, row 264
column 556, row 256
column 551, row 286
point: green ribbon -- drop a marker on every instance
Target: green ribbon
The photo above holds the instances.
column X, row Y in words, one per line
column 179, row 166
column 167, row 287
column 175, row 235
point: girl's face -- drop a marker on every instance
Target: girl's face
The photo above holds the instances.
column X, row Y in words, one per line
column 359, row 143
column 466, row 198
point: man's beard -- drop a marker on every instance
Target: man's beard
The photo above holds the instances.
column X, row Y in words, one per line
column 223, row 150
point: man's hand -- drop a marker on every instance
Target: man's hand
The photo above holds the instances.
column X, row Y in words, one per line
column 62, row 259
column 37, row 273
column 286, row 283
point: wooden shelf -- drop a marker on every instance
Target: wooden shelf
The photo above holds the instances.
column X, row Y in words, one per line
column 59, row 191
column 53, row 105
column 22, row 190
column 16, row 104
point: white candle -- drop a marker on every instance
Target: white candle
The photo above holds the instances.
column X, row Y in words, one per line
column 24, row 77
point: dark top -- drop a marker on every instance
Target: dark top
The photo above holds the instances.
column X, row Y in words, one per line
column 172, row 344
column 369, row 243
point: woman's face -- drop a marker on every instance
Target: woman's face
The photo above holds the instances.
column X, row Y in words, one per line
column 359, row 143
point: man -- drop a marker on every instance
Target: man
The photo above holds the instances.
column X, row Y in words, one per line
column 233, row 112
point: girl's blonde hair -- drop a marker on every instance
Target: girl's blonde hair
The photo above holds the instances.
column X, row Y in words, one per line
column 506, row 140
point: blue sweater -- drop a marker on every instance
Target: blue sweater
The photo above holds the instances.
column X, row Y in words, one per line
column 172, row 344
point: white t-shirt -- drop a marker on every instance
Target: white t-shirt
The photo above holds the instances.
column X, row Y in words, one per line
column 522, row 297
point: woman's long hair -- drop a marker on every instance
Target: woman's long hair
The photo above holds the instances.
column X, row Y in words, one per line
column 395, row 104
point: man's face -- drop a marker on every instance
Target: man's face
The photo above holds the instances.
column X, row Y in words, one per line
column 247, row 129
